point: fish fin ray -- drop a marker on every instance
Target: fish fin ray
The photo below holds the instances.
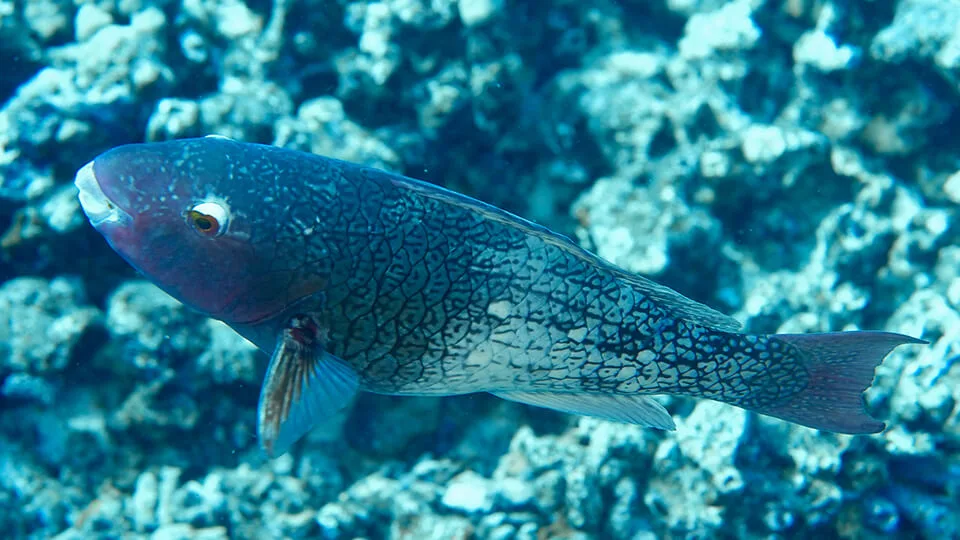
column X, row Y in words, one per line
column 303, row 386
column 679, row 305
column 631, row 409
column 840, row 367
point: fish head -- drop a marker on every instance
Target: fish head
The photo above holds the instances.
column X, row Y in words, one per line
column 190, row 215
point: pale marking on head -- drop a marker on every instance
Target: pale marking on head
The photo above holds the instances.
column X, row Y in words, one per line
column 215, row 209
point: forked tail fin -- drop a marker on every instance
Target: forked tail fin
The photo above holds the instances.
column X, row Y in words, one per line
column 840, row 368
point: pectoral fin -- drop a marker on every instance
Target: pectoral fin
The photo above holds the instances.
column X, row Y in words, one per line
column 304, row 384
column 631, row 409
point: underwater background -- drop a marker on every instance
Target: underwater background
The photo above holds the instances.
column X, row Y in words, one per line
column 794, row 163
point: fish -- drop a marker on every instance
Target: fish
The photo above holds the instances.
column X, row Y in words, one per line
column 355, row 279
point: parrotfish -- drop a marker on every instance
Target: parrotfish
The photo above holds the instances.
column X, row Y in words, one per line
column 357, row 279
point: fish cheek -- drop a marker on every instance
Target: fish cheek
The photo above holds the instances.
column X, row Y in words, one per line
column 206, row 274
column 272, row 293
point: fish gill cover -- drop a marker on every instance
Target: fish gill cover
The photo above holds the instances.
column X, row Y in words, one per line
column 792, row 163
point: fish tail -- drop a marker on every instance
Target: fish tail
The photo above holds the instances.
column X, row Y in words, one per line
column 837, row 368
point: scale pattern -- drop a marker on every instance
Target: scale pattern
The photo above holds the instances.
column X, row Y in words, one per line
column 432, row 293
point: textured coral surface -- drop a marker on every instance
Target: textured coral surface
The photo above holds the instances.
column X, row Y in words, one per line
column 791, row 162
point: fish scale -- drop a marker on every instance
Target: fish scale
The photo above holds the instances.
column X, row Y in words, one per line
column 356, row 279
column 530, row 332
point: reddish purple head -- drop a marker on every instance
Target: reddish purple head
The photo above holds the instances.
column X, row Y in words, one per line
column 195, row 217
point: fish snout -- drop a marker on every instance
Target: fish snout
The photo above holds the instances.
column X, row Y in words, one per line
column 96, row 205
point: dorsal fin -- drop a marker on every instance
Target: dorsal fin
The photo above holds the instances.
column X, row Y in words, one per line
column 677, row 304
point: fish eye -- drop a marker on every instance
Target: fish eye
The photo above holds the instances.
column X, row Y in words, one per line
column 208, row 218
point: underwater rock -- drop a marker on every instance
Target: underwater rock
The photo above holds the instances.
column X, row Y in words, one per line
column 44, row 322
column 790, row 163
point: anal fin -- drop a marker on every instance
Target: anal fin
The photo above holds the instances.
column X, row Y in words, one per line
column 304, row 385
column 631, row 409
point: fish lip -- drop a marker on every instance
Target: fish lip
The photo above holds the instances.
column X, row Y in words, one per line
column 99, row 208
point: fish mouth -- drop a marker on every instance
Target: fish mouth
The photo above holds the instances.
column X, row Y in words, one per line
column 100, row 210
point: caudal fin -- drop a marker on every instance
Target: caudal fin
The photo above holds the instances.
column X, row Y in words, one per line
column 840, row 368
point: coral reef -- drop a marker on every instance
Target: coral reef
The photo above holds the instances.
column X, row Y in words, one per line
column 791, row 162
